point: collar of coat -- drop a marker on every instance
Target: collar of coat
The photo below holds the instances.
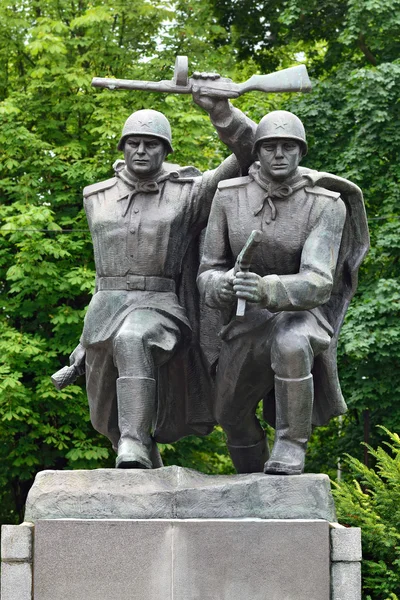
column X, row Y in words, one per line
column 169, row 171
column 275, row 190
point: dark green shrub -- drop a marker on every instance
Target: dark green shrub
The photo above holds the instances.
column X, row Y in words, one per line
column 372, row 501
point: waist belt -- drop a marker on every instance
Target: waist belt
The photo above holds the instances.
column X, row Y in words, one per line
column 136, row 282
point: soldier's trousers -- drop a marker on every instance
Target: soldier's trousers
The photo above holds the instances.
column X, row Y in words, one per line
column 284, row 346
column 145, row 341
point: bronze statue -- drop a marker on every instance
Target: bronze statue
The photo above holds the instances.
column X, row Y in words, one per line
column 312, row 236
column 147, row 379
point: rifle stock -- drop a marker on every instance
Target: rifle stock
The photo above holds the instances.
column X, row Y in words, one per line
column 294, row 79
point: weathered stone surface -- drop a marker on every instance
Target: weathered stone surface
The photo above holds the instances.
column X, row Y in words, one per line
column 346, row 581
column 181, row 560
column 103, row 560
column 16, row 581
column 175, row 492
column 346, row 544
column 16, row 542
column 252, row 560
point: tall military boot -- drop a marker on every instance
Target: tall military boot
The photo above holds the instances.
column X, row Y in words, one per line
column 249, row 459
column 294, row 403
column 156, row 456
column 136, row 398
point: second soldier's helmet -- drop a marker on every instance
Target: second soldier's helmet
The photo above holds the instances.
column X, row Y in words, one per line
column 280, row 124
column 147, row 122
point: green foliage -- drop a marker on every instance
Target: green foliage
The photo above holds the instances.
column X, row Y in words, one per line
column 372, row 501
column 209, row 455
column 330, row 33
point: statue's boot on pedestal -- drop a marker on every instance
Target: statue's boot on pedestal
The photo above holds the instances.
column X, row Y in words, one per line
column 155, row 455
column 136, row 411
column 294, row 403
column 249, row 459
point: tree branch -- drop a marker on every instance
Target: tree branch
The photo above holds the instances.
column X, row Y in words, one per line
column 365, row 50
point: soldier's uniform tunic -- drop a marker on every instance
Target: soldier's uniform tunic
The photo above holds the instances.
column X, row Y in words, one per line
column 143, row 236
column 302, row 229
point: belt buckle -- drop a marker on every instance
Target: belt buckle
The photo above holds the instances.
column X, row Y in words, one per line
column 135, row 282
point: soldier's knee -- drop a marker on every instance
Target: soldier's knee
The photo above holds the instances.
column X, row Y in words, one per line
column 129, row 340
column 291, row 354
column 128, row 335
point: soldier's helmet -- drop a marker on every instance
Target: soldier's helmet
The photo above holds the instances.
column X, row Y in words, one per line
column 147, row 122
column 280, row 124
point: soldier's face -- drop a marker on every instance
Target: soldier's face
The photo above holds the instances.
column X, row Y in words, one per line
column 144, row 155
column 279, row 158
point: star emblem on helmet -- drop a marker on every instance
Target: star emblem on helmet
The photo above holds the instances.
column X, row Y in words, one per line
column 145, row 123
column 278, row 125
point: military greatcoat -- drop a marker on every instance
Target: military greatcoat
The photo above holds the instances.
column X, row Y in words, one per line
column 315, row 236
column 148, row 237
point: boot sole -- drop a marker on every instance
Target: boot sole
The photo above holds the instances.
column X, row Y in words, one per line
column 130, row 463
column 281, row 469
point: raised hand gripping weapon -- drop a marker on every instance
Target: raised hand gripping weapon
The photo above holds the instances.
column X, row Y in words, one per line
column 243, row 263
column 294, row 79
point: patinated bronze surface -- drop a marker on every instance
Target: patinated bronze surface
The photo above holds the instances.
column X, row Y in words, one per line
column 302, row 276
column 280, row 264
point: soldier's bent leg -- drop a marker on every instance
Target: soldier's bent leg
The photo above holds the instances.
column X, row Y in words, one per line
column 242, row 378
column 145, row 341
column 101, row 377
column 297, row 339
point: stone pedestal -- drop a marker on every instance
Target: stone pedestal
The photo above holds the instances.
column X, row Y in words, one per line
column 176, row 534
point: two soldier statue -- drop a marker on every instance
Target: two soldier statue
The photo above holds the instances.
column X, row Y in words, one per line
column 156, row 368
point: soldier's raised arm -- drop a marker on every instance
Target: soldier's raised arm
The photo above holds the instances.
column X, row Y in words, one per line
column 234, row 128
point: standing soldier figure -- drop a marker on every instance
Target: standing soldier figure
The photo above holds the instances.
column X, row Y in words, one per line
column 144, row 372
column 303, row 274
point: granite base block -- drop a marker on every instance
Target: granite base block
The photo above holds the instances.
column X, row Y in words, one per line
column 16, row 581
column 346, row 581
column 177, row 559
column 16, row 561
column 17, row 542
column 177, row 493
column 176, row 534
column 345, row 544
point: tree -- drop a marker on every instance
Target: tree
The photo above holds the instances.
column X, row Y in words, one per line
column 330, row 33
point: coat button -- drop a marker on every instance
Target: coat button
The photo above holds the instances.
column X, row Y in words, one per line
column 132, row 231
column 136, row 211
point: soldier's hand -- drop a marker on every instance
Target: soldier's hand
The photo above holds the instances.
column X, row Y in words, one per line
column 250, row 287
column 225, row 292
column 77, row 359
column 215, row 104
